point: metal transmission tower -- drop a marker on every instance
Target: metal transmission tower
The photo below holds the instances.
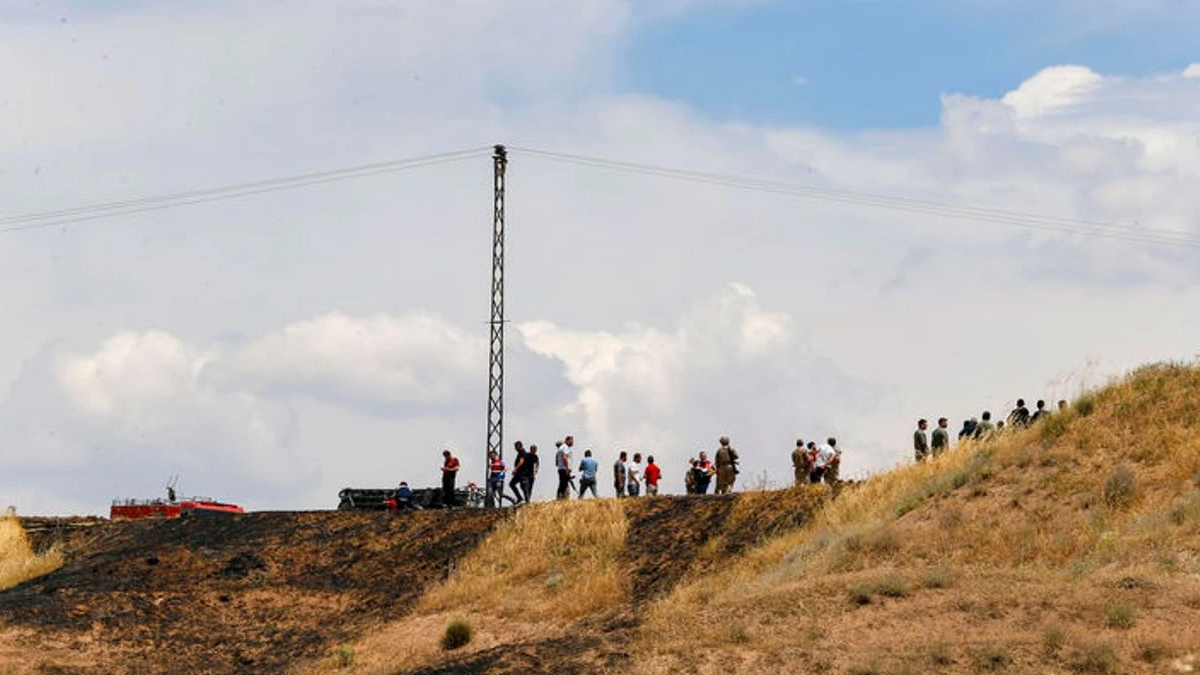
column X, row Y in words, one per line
column 495, row 423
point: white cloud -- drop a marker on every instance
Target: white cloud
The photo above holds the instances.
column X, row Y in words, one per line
column 799, row 80
column 1192, row 71
column 332, row 336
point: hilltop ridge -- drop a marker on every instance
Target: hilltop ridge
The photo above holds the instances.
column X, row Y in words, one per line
column 1066, row 547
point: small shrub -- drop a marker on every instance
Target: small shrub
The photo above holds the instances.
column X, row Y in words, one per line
column 860, row 595
column 739, row 633
column 1053, row 640
column 991, row 657
column 458, row 633
column 1154, row 651
column 1085, row 405
column 871, row 668
column 940, row 654
column 950, row 519
column 1052, row 428
column 343, row 657
column 892, row 587
column 1122, row 615
column 938, row 578
column 1119, row 488
column 1100, row 659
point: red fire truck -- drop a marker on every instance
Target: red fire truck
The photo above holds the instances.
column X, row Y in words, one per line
column 170, row 507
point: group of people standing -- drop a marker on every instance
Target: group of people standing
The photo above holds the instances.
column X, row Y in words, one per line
column 630, row 477
column 814, row 463
column 983, row 428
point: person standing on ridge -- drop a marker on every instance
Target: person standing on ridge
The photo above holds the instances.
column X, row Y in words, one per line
column 968, row 429
column 518, row 464
column 689, row 478
column 497, row 471
column 634, row 483
column 921, row 441
column 727, row 459
column 620, row 473
column 524, row 472
column 1019, row 417
column 800, row 463
column 562, row 462
column 449, row 474
column 588, row 468
column 653, row 474
column 941, row 438
column 1040, row 413
column 706, row 471
column 985, row 428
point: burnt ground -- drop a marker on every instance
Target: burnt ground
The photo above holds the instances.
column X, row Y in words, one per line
column 259, row 592
column 246, row 594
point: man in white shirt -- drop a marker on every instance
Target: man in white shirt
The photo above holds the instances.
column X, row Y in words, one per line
column 825, row 457
column 634, row 472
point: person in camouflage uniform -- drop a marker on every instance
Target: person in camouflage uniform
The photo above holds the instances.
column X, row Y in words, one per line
column 727, row 459
column 801, row 463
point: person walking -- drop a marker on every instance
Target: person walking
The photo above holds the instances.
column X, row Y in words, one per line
column 653, row 475
column 514, row 484
column 634, row 484
column 497, row 471
column 588, row 467
column 941, row 438
column 562, row 462
column 727, row 459
column 620, row 473
column 449, row 475
column 800, row 463
column 921, row 441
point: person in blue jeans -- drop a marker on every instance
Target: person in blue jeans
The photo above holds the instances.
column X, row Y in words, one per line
column 587, row 474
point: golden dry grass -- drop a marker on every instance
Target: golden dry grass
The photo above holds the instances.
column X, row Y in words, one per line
column 1101, row 495
column 558, row 560
column 18, row 562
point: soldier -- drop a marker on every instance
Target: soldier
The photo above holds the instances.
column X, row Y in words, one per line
column 941, row 438
column 727, row 459
column 985, row 428
column 800, row 464
column 921, row 441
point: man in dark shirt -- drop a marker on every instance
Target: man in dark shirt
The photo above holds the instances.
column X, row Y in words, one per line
column 1019, row 417
column 449, row 473
column 1041, row 412
column 524, row 474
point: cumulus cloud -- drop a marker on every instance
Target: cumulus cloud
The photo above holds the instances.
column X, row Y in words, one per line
column 318, row 338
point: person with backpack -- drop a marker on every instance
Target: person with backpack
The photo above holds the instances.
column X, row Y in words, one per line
column 620, row 473
column 653, row 475
column 727, row 459
column 800, row 464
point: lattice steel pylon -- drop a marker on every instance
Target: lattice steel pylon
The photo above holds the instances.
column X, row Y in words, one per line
column 495, row 422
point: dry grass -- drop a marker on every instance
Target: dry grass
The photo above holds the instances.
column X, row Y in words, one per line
column 18, row 562
column 559, row 560
column 1102, row 492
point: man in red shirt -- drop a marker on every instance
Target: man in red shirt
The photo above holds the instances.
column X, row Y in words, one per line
column 652, row 474
column 449, row 473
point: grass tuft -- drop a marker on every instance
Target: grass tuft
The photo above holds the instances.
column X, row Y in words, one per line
column 458, row 633
column 938, row 578
column 18, row 562
column 991, row 658
column 1099, row 658
column 1120, row 487
column 1053, row 640
column 343, row 656
column 1122, row 615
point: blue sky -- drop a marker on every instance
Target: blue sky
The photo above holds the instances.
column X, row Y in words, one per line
column 875, row 64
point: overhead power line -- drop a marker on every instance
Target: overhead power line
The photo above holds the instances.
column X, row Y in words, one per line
column 1032, row 221
column 45, row 219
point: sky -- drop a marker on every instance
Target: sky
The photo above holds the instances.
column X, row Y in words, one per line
column 273, row 349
